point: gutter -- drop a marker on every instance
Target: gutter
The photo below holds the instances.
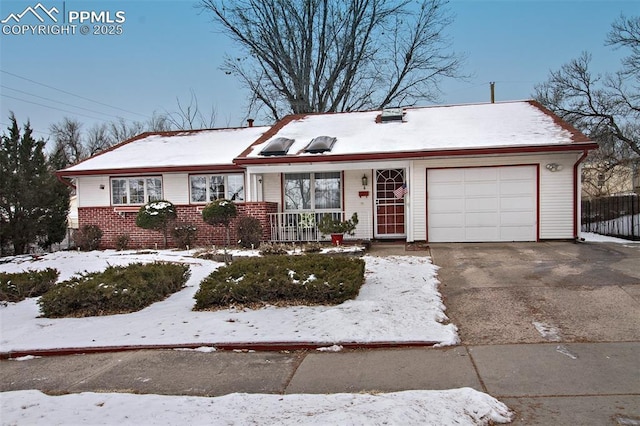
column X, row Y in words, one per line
column 576, row 193
column 63, row 180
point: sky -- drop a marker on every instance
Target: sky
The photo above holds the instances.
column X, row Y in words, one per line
column 168, row 49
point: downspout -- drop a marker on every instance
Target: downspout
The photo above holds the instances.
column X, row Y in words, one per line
column 576, row 194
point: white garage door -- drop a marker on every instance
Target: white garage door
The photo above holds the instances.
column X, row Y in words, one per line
column 482, row 204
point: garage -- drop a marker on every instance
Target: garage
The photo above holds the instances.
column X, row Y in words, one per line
column 482, row 204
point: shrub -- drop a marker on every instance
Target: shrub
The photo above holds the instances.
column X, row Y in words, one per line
column 122, row 241
column 249, row 232
column 184, row 234
column 267, row 249
column 88, row 237
column 307, row 279
column 220, row 212
column 157, row 215
column 312, row 248
column 118, row 289
column 18, row 286
column 331, row 225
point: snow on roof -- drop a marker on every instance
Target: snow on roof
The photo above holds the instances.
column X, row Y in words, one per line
column 427, row 128
column 175, row 149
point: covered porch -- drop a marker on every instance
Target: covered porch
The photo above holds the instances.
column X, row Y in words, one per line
column 307, row 192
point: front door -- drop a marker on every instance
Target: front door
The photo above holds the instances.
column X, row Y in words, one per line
column 390, row 208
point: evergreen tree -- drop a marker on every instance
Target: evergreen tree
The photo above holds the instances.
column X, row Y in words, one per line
column 54, row 220
column 27, row 192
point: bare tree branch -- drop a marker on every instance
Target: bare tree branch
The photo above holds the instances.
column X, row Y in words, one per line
column 190, row 116
column 336, row 55
column 605, row 108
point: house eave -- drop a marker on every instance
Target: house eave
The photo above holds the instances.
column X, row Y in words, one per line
column 397, row 155
column 151, row 170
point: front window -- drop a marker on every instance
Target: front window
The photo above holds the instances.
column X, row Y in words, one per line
column 206, row 188
column 312, row 191
column 135, row 190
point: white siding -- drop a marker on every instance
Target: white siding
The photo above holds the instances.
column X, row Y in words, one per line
column 556, row 198
column 89, row 192
column 353, row 203
column 271, row 184
column 175, row 187
column 416, row 203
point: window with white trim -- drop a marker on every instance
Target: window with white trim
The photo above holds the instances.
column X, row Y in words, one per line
column 206, row 188
column 312, row 191
column 136, row 190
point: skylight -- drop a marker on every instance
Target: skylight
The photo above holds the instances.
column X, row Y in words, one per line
column 278, row 146
column 391, row 114
column 320, row 144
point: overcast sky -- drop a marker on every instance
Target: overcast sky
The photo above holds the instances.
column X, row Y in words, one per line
column 168, row 49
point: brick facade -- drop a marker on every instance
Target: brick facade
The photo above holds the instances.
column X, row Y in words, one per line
column 114, row 223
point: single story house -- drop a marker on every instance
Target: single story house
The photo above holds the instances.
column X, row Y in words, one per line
column 465, row 173
column 188, row 168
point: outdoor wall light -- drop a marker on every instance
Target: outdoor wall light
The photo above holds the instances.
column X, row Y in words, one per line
column 554, row 167
column 101, row 186
column 365, row 181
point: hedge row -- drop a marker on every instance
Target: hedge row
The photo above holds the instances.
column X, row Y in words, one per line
column 118, row 289
column 307, row 279
column 15, row 287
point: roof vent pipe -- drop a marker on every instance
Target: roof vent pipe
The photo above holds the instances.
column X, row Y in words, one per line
column 492, row 85
column 250, row 121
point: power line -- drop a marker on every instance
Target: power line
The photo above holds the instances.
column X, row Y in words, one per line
column 72, row 94
column 59, row 102
column 48, row 106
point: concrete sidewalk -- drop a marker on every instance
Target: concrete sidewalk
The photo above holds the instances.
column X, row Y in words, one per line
column 577, row 383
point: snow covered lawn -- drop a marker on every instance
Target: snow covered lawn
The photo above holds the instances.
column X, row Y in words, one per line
column 457, row 406
column 398, row 302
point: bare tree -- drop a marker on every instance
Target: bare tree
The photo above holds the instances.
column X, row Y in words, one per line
column 120, row 130
column 604, row 107
column 336, row 55
column 67, row 135
column 159, row 122
column 625, row 32
column 98, row 139
column 190, row 116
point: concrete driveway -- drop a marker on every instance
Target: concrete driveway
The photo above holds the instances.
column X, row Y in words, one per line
column 541, row 292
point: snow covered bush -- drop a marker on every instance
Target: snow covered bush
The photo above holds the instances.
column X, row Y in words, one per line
column 118, row 289
column 158, row 216
column 15, row 287
column 220, row 212
column 308, row 280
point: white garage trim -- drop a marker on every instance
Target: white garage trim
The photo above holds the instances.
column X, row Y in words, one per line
column 477, row 204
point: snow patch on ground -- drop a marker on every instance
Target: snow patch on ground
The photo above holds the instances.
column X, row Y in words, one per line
column 463, row 406
column 597, row 238
column 399, row 302
column 548, row 331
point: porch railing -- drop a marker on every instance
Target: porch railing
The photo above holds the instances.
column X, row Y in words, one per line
column 303, row 226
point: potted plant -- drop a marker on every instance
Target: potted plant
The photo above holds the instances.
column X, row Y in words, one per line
column 330, row 225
